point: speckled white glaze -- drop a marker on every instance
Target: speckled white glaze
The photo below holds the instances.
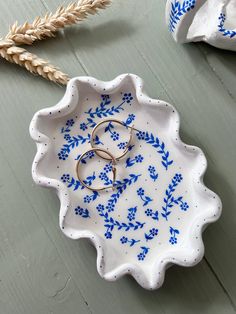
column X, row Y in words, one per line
column 130, row 246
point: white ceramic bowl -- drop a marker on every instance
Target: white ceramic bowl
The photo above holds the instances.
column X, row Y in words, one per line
column 157, row 213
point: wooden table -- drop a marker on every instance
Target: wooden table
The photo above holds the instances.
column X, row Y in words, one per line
column 41, row 271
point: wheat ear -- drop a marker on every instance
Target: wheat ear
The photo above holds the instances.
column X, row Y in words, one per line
column 31, row 62
column 48, row 25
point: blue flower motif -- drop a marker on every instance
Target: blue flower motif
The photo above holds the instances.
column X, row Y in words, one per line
column 103, row 176
column 140, row 192
column 115, row 136
column 178, row 177
column 148, row 212
column 151, row 169
column 83, row 126
column 184, row 206
column 146, row 199
column 141, row 135
column 82, row 212
column 105, row 97
column 90, row 154
column 139, row 158
column 173, row 240
column 108, row 235
column 62, row 155
column 67, row 137
column 110, row 207
column 127, row 97
column 87, row 199
column 123, row 240
column 70, row 122
column 108, row 168
column 122, row 145
column 130, row 118
column 154, row 231
column 141, row 256
column 131, row 216
column 78, row 210
column 225, row 32
column 100, row 208
column 65, row 178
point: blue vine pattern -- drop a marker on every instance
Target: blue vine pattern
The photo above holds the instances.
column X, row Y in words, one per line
column 104, row 211
column 89, row 155
column 103, row 175
column 225, row 32
column 111, row 223
column 173, row 232
column 158, row 145
column 102, row 111
column 121, row 186
column 131, row 242
column 170, row 200
column 75, row 141
column 76, row 184
column 132, row 223
column 146, row 199
column 178, row 10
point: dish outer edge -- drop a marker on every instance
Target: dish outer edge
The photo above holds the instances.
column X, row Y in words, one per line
column 66, row 105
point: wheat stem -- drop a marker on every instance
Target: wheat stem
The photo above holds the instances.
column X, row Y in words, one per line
column 31, row 62
column 47, row 26
column 43, row 27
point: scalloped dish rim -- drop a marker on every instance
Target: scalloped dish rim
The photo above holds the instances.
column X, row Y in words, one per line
column 43, row 142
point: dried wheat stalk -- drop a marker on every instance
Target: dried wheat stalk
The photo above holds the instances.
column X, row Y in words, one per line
column 31, row 62
column 48, row 25
column 42, row 28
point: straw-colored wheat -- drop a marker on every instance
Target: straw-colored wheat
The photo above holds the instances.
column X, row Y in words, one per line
column 46, row 26
column 42, row 28
column 31, row 62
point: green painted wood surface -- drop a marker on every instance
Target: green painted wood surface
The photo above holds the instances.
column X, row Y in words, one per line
column 41, row 271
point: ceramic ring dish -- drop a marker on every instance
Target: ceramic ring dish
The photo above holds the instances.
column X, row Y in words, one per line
column 160, row 206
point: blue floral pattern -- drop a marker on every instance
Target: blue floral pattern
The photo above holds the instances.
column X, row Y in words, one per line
column 84, row 213
column 225, row 32
column 137, row 159
column 146, row 199
column 178, row 10
column 132, row 220
column 67, row 127
column 151, row 213
column 153, row 173
column 158, row 145
column 141, row 256
column 131, row 242
column 151, row 234
column 170, row 200
column 173, row 233
column 131, row 213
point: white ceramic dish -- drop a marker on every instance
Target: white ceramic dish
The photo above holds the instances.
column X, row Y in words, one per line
column 213, row 22
column 157, row 213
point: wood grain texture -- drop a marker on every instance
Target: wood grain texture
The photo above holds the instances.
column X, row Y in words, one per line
column 41, row 271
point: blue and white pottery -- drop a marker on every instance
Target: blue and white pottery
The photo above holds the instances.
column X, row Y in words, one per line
column 160, row 206
column 203, row 20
